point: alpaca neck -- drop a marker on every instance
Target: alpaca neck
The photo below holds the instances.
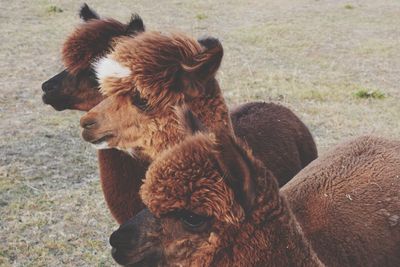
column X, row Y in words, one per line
column 121, row 177
column 210, row 109
column 287, row 243
column 277, row 240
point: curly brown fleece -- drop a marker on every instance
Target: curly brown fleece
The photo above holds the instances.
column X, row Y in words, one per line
column 192, row 177
column 342, row 209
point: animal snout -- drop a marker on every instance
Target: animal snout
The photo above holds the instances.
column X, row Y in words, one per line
column 88, row 122
column 125, row 237
column 49, row 86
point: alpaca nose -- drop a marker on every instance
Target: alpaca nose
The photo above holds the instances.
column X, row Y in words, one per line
column 88, row 123
column 49, row 86
column 125, row 237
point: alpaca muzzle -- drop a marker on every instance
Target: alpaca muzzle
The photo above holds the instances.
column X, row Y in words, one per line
column 136, row 242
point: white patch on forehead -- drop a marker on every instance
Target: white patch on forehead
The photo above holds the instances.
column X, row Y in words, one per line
column 107, row 67
column 102, row 145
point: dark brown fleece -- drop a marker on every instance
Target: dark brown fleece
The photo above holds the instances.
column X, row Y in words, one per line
column 82, row 94
column 121, row 177
column 89, row 41
column 276, row 136
column 192, row 176
column 348, row 203
column 341, row 210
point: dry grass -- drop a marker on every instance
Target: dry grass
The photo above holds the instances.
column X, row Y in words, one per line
column 312, row 56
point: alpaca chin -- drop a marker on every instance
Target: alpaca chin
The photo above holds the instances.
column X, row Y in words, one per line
column 102, row 145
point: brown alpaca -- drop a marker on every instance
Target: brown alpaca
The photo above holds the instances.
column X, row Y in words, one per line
column 77, row 88
column 147, row 77
column 211, row 203
column 261, row 125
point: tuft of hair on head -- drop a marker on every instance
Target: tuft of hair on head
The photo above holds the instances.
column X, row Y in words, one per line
column 106, row 67
column 90, row 41
column 189, row 123
column 135, row 25
column 86, row 13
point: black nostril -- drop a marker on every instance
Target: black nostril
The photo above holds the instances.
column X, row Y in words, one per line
column 88, row 124
column 48, row 86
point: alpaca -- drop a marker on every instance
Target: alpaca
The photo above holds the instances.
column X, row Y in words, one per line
column 351, row 214
column 146, row 77
column 77, row 88
column 211, row 203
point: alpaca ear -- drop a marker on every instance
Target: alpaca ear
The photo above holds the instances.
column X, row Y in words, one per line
column 207, row 62
column 86, row 13
column 237, row 170
column 188, row 121
column 135, row 25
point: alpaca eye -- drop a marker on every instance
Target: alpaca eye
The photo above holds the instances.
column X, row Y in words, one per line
column 193, row 222
column 139, row 102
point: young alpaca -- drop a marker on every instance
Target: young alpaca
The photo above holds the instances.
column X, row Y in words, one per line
column 147, row 77
column 273, row 131
column 211, row 203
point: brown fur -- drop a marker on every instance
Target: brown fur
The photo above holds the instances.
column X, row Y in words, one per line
column 76, row 87
column 120, row 174
column 192, row 176
column 120, row 177
column 361, row 231
column 352, row 215
column 162, row 66
column 158, row 65
column 80, row 91
column 276, row 136
column 65, row 90
column 89, row 41
column 160, row 81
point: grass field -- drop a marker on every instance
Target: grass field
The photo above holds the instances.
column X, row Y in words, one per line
column 335, row 63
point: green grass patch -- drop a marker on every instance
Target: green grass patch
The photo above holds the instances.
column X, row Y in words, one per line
column 349, row 6
column 54, row 9
column 365, row 93
column 201, row 16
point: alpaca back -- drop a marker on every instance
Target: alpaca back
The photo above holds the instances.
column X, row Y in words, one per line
column 348, row 203
column 276, row 136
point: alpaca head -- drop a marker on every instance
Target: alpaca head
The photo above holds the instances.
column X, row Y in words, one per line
column 145, row 78
column 76, row 87
column 201, row 196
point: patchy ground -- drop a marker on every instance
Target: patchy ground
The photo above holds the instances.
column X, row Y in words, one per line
column 335, row 63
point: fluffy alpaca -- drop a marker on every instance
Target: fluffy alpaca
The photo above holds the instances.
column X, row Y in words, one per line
column 211, row 203
column 76, row 87
column 120, row 174
column 147, row 77
column 164, row 71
